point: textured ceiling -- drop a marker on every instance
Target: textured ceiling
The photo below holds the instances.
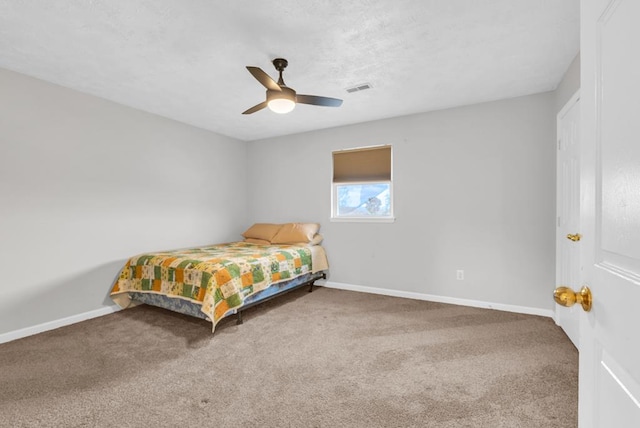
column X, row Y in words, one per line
column 185, row 59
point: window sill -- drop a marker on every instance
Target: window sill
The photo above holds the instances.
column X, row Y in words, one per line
column 362, row 220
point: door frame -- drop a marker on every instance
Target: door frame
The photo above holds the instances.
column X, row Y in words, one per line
column 571, row 103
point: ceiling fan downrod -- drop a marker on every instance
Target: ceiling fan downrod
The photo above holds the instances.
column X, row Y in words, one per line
column 280, row 64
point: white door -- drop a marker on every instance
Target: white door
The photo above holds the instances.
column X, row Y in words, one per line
column 610, row 196
column 568, row 213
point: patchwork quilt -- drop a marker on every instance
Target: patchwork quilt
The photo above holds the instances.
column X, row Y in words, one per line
column 219, row 277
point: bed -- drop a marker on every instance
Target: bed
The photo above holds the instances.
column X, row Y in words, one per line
column 213, row 282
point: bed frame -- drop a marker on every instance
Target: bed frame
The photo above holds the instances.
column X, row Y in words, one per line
column 190, row 308
column 278, row 290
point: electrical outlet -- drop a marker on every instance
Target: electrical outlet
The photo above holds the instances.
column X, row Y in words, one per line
column 459, row 274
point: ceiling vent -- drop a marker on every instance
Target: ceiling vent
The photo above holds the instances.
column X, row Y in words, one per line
column 360, row 87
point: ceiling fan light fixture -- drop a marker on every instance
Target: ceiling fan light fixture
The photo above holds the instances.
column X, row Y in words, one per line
column 281, row 105
column 281, row 102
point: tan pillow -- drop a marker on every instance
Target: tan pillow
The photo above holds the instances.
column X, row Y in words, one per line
column 265, row 231
column 257, row 241
column 316, row 239
column 291, row 233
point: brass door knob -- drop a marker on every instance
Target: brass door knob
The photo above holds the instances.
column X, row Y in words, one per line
column 567, row 297
column 574, row 238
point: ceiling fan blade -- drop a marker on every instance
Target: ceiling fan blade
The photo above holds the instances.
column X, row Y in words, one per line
column 255, row 108
column 318, row 101
column 264, row 78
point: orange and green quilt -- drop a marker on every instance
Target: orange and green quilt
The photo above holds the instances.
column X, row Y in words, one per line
column 219, row 277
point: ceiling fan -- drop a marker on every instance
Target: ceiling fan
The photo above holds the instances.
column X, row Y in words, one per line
column 280, row 97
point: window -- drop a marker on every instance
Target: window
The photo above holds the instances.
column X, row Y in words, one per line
column 362, row 189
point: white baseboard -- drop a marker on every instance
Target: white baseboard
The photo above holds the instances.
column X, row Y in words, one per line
column 51, row 325
column 440, row 299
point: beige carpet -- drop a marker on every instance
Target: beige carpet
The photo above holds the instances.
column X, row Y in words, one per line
column 329, row 358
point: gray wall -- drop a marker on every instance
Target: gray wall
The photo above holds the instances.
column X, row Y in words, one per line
column 85, row 183
column 474, row 190
column 569, row 84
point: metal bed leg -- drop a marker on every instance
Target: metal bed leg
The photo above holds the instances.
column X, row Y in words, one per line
column 312, row 283
column 239, row 318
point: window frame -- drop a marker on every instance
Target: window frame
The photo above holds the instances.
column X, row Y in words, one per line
column 360, row 219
